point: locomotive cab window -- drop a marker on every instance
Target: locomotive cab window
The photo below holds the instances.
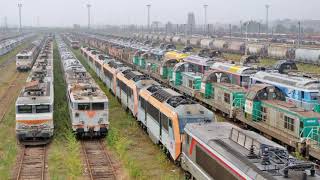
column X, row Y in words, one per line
column 164, row 121
column 289, row 123
column 42, row 108
column 83, row 106
column 24, row 109
column 314, row 96
column 226, row 97
column 98, row 106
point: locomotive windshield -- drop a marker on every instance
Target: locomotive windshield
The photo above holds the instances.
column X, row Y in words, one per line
column 83, row 106
column 183, row 122
column 91, row 106
column 23, row 109
column 314, row 96
column 42, row 108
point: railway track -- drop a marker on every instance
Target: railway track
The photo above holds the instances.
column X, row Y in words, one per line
column 98, row 162
column 32, row 163
column 9, row 94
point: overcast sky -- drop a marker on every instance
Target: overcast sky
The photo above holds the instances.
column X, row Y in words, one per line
column 68, row 12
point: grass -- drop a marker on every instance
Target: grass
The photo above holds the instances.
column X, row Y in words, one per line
column 139, row 156
column 8, row 144
column 232, row 56
column 64, row 158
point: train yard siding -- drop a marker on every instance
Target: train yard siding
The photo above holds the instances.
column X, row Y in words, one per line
column 8, row 144
column 64, row 153
column 270, row 132
column 140, row 157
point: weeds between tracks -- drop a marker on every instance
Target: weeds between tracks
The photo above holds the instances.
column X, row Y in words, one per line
column 64, row 157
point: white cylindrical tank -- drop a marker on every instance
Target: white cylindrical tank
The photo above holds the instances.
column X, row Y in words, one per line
column 219, row 44
column 236, row 47
column 206, row 43
column 278, row 52
column 176, row 39
column 195, row 41
column 255, row 49
column 311, row 56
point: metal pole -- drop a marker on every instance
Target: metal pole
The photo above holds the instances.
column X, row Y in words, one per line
column 88, row 6
column 299, row 33
column 148, row 6
column 241, row 29
column 259, row 29
column 230, row 31
column 205, row 18
column 246, row 41
column 6, row 23
column 267, row 21
column 20, row 25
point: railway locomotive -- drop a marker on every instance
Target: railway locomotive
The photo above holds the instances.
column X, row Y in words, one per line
column 34, row 106
column 204, row 149
column 8, row 45
column 26, row 58
column 162, row 112
column 88, row 105
column 302, row 91
column 224, row 151
column 221, row 92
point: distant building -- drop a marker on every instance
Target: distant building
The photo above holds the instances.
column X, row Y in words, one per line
column 76, row 26
column 155, row 25
column 191, row 23
column 169, row 28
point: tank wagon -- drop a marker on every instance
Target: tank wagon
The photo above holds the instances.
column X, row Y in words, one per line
column 281, row 52
column 34, row 106
column 88, row 105
column 26, row 58
column 236, row 47
column 206, row 43
column 224, row 151
column 195, row 41
column 256, row 49
column 308, row 56
column 176, row 39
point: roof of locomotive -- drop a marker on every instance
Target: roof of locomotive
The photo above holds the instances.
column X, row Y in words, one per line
column 38, row 88
column 203, row 61
column 230, row 87
column 291, row 107
column 233, row 144
column 233, row 68
column 86, row 92
column 287, row 80
column 36, row 93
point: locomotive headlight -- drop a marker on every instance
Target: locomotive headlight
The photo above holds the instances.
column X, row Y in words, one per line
column 20, row 126
column 44, row 126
